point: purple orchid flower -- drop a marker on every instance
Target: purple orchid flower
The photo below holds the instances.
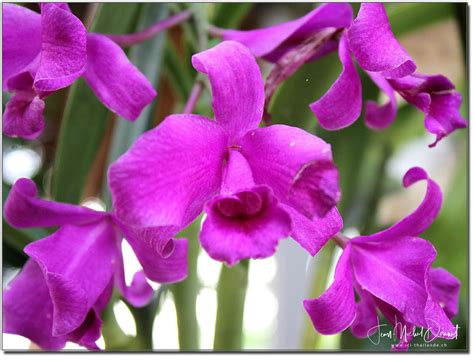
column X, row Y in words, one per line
column 68, row 280
column 257, row 185
column 370, row 40
column 391, row 270
column 46, row 52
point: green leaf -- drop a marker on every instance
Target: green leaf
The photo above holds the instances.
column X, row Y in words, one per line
column 408, row 17
column 86, row 118
column 230, row 15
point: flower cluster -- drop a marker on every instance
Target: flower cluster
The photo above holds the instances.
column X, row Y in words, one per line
column 369, row 39
column 256, row 185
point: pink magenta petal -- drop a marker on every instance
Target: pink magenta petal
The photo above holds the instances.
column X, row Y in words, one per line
column 114, row 79
column 374, row 45
column 335, row 310
column 418, row 221
column 313, row 234
column 366, row 321
column 21, row 40
column 24, row 209
column 272, row 42
column 279, row 157
column 28, row 310
column 342, row 103
column 78, row 263
column 245, row 225
column 381, row 116
column 401, row 268
column 237, row 86
column 170, row 172
column 23, row 116
column 436, row 96
column 63, row 49
column 445, row 289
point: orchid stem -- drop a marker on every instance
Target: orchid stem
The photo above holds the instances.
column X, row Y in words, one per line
column 231, row 291
column 340, row 240
column 141, row 36
column 185, row 292
column 193, row 98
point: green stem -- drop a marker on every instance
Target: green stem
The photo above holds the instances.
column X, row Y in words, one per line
column 185, row 293
column 144, row 319
column 231, row 291
column 311, row 337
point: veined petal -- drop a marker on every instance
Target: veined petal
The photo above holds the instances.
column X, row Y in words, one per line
column 342, row 103
column 246, row 224
column 78, row 263
column 173, row 268
column 296, row 165
column 272, row 42
column 418, row 221
column 436, row 96
column 21, row 40
column 24, row 209
column 445, row 289
column 63, row 50
column 28, row 310
column 394, row 271
column 237, row 174
column 381, row 116
column 366, row 321
column 170, row 172
column 237, row 86
column 114, row 79
column 23, row 116
column 90, row 330
column 374, row 45
column 313, row 234
column 442, row 303
column 334, row 311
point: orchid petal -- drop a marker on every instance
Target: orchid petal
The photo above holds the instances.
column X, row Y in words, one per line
column 173, row 268
column 437, row 313
column 445, row 289
column 247, row 224
column 184, row 152
column 237, row 174
column 381, row 116
column 418, row 221
column 28, row 310
column 334, row 311
column 23, row 116
column 63, row 50
column 23, row 209
column 313, row 234
column 114, row 79
column 237, row 86
column 374, row 45
column 402, row 266
column 342, row 103
column 21, row 40
column 290, row 161
column 90, row 330
column 272, row 42
column 436, row 96
column 366, row 321
column 76, row 279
